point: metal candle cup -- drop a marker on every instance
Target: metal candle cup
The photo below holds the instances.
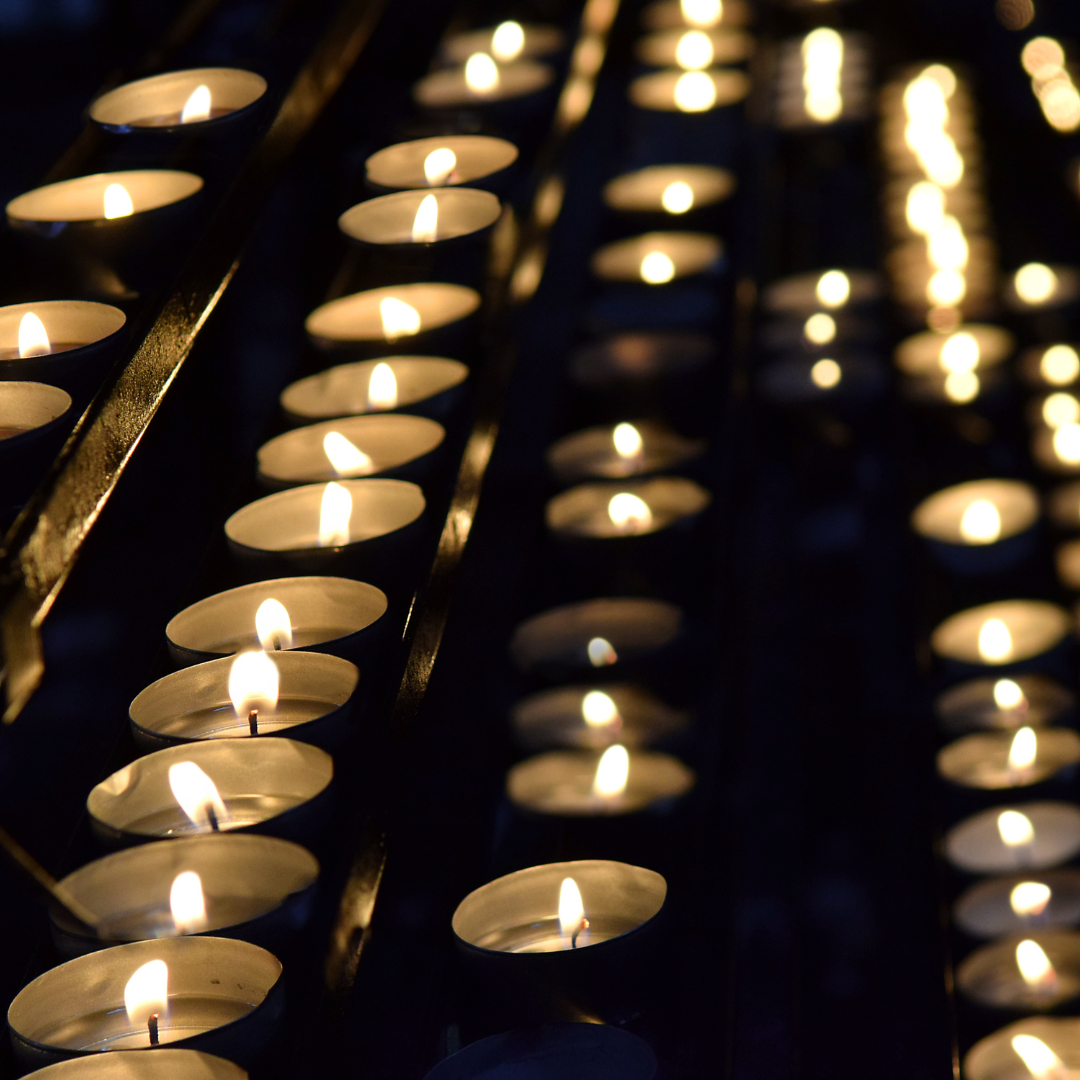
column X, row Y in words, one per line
column 1003, row 632
column 225, row 998
column 592, row 510
column 973, row 705
column 595, row 452
column 476, row 158
column 994, row 1058
column 666, row 189
column 449, row 88
column 1063, row 506
column 1060, row 288
column 679, row 254
column 279, row 787
column 804, row 294
column 536, row 40
column 982, row 760
column 33, row 419
column 976, row 845
column 990, row 976
column 163, row 1064
column 987, row 908
column 391, row 219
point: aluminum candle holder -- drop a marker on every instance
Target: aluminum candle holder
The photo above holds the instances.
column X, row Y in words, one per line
column 314, row 703
column 30, row 413
column 163, row 1064
column 825, row 290
column 275, row 786
column 1032, row 836
column 1050, row 366
column 970, row 347
column 1063, row 506
column 981, row 761
column 987, row 704
column 990, row 976
column 841, row 376
column 392, row 219
column 662, row 48
column 657, row 258
column 327, row 614
column 224, row 997
column 994, row 1057
column 1004, row 632
column 476, row 158
column 992, row 909
column 1037, row 287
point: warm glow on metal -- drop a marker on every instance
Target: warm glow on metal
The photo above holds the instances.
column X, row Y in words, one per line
column 703, row 13
column 147, row 992
column 695, row 92
column 334, row 514
column 1059, row 365
column 657, row 268
column 678, row 197
column 833, row 289
column 1029, row 898
column 1024, row 750
column 995, row 641
column 398, row 318
column 1015, row 828
column 425, row 227
column 507, row 41
column 825, row 374
column 627, row 440
column 1038, row 1058
column 197, row 795
column 273, row 625
column 981, row 522
column 187, row 903
column 629, row 513
column 612, row 772
column 599, row 710
column 117, row 202
column 962, row 386
column 1008, row 695
column 1060, row 409
column 601, row 652
column 382, row 390
column 694, row 51
column 481, row 73
column 346, row 458
column 1035, row 283
column 820, row 329
column 254, row 683
column 925, row 207
column 1035, row 966
column 439, row 165
column 33, row 338
column 197, row 106
column 1067, row 444
column 571, row 908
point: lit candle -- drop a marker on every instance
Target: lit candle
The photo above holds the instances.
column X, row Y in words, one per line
column 624, row 449
column 55, row 340
column 657, row 258
column 481, row 80
column 996, row 760
column 1019, row 903
column 1038, row 286
column 1036, row 1048
column 1035, row 973
column 689, row 91
column 977, row 513
column 506, row 42
column 419, row 217
column 669, row 189
column 27, row 407
column 440, row 161
column 607, row 510
column 971, row 347
column 1004, row 632
column 693, row 48
column 833, row 290
column 1035, row 836
column 702, row 14
column 1051, row 365
column 1004, row 704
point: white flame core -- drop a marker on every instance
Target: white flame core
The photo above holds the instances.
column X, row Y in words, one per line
column 117, row 202
column 33, row 337
column 1015, row 828
column 678, row 197
column 1008, row 695
column 187, row 903
column 629, row 512
column 599, row 710
column 571, row 908
column 995, row 641
column 425, row 227
column 197, row 106
column 1067, row 443
column 273, row 625
column 197, row 794
column 627, row 440
column 925, row 207
column 481, row 73
column 1035, row 966
column 254, row 683
column 398, row 318
column 601, row 652
column 1060, row 409
column 657, row 268
column 1038, row 1058
column 382, row 390
column 346, row 458
column 612, row 772
column 826, row 373
column 820, row 328
column 1029, row 898
column 694, row 50
column 959, row 352
column 439, row 165
column 1059, row 365
column 702, row 13
column 1035, row 283
column 507, row 41
column 335, row 512
column 981, row 522
column 1023, row 750
column 695, row 92
column 147, row 992
column 833, row 289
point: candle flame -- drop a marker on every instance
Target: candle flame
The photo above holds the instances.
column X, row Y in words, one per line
column 197, row 106
column 439, row 165
column 1008, row 695
column 1067, row 444
column 629, row 513
column 601, row 652
column 833, row 289
column 959, row 352
column 1060, row 409
column 571, row 908
column 703, row 13
column 425, row 228
column 925, row 207
column 627, row 440
column 398, row 318
column 33, row 337
column 481, row 73
column 507, row 41
column 820, row 329
column 825, row 373
column 961, row 386
column 347, row 459
column 823, row 61
column 1015, row 828
column 612, row 772
column 995, row 642
column 1029, row 898
column 1024, row 750
column 695, row 92
column 187, row 903
column 981, row 522
column 657, row 268
column 946, row 245
column 118, row 202
column 694, row 50
column 1035, row 966
column 678, row 197
column 254, row 683
column 147, row 992
column 1059, row 365
column 599, row 710
column 1038, row 1058
column 197, row 795
column 946, row 288
column 273, row 625
column 1035, row 283
column 334, row 514
column 382, row 388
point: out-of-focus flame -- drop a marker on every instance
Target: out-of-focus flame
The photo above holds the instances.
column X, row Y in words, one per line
column 946, row 245
column 1039, row 1059
column 629, row 513
column 425, row 226
column 1029, row 898
column 961, row 386
column 1024, row 750
column 598, row 710
column 959, row 352
column 439, row 165
column 507, row 41
column 334, row 514
column 1060, row 409
column 1035, row 283
column 695, row 92
column 995, row 641
column 382, row 391
column 833, row 289
column 612, row 772
column 946, row 288
column 601, row 652
column 694, row 50
column 117, row 202
column 627, row 440
column 571, row 909
column 1015, row 828
column 254, row 683
column 33, row 337
column 197, row 106
column 678, row 197
column 926, row 105
column 273, row 625
column 1035, row 966
column 346, row 458
column 398, row 318
column 823, row 61
column 1067, row 444
column 825, row 374
column 819, row 329
column 925, row 207
column 1042, row 57
column 702, row 13
column 1059, row 365
column 1008, row 695
column 657, row 268
column 197, row 795
column 187, row 903
column 981, row 522
column 147, row 992
column 481, row 73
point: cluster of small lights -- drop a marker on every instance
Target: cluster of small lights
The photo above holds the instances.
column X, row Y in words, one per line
column 1044, row 60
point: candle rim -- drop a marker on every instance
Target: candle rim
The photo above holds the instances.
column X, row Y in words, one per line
column 55, row 401
column 711, row 184
column 1022, row 497
column 482, row 205
column 949, row 637
column 620, row 260
column 91, row 316
column 972, row 828
column 974, row 974
column 570, row 511
column 952, row 759
column 22, row 207
column 467, row 145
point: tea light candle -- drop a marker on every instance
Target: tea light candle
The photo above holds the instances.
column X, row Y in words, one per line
column 205, row 701
column 1018, row 903
column 970, row 347
column 1004, row 632
column 606, row 511
column 163, row 1064
column 50, row 340
column 828, row 290
column 1038, row 286
column 693, row 49
column 324, row 614
column 199, row 885
column 1034, row 836
column 669, row 189
column 594, row 717
column 689, row 91
column 505, row 42
column 1033, row 973
column 977, row 513
column 440, row 161
column 1057, row 449
column 1004, row 704
column 795, row 380
column 390, row 313
column 27, row 407
column 1037, row 1046
column 625, row 449
column 178, row 99
column 267, row 784
column 216, row 994
column 520, row 913
column 1063, row 505
column 995, row 760
column 702, row 14
column 421, row 217
column 101, row 197
column 350, row 447
column 1050, row 365
column 639, row 357
column 371, row 386
column 657, row 258
column 585, row 783
column 595, row 633
column 481, row 81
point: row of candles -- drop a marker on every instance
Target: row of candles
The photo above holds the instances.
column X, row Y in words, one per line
column 211, row 775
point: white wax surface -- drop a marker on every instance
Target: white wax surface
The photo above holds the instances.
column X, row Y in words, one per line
column 72, row 323
column 539, row 41
column 583, row 511
column 359, row 318
column 642, row 191
column 162, row 1064
column 981, row 760
column 975, row 844
column 971, row 706
column 25, row 406
column 656, row 91
column 921, row 353
column 659, row 48
column 83, row 198
column 938, row 517
column 691, row 253
column 592, row 452
column 137, row 104
column 448, row 89
column 990, row 975
column 994, row 1058
column 1035, row 627
column 985, row 910
column 797, row 295
column 402, row 165
column 389, row 219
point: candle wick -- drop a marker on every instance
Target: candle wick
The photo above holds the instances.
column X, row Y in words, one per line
column 277, row 643
column 212, row 816
column 583, row 925
column 153, row 1026
column 253, row 721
